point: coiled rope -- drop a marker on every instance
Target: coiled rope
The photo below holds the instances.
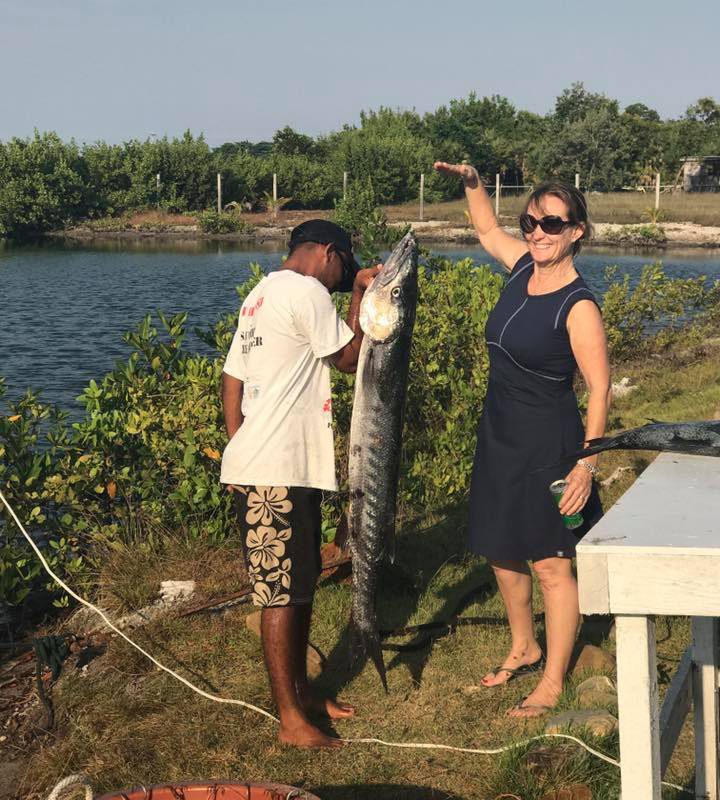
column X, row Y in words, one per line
column 72, row 782
column 232, row 701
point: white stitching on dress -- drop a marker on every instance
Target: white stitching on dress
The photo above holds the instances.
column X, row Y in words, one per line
column 522, row 269
column 562, row 305
column 515, row 313
column 518, row 364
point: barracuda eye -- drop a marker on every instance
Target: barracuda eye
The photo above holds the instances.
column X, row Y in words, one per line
column 395, row 292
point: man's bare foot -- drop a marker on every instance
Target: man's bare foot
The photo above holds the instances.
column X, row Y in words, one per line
column 513, row 661
column 335, row 709
column 307, row 736
column 543, row 698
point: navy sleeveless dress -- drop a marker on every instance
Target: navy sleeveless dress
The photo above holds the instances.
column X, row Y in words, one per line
column 530, row 420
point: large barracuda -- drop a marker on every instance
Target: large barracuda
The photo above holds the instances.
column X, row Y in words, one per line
column 387, row 316
column 693, row 438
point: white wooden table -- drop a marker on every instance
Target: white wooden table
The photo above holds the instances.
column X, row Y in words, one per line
column 657, row 551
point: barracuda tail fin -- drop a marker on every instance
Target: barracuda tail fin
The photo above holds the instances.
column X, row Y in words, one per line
column 594, row 446
column 367, row 643
column 598, row 446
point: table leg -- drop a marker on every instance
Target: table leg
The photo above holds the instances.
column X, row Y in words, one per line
column 638, row 708
column 705, row 702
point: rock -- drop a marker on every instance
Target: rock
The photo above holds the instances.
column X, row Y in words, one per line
column 172, row 593
column 597, row 721
column 615, row 476
column 596, row 692
column 593, row 659
column 176, row 591
column 597, row 700
column 597, row 683
column 331, row 554
column 551, row 758
column 84, row 621
column 622, row 388
column 578, row 791
column 315, row 660
column 252, row 622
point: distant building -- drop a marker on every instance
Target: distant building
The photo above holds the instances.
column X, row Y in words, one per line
column 701, row 174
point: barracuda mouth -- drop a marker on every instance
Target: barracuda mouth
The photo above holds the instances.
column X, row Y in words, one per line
column 401, row 256
column 383, row 309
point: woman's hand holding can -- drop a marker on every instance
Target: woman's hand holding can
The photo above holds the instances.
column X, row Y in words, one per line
column 577, row 492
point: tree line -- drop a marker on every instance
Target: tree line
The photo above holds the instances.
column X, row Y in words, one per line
column 47, row 183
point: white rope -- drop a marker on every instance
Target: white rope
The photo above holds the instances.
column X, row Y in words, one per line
column 89, row 605
column 488, row 752
column 498, row 750
column 72, row 782
column 217, row 699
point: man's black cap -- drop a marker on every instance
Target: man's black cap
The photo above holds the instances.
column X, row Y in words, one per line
column 322, row 231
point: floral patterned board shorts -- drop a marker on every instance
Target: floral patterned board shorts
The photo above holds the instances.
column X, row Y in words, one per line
column 280, row 528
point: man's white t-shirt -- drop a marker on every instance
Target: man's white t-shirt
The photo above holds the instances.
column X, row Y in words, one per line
column 288, row 324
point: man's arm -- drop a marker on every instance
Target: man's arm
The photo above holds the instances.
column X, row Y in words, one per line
column 232, row 394
column 346, row 358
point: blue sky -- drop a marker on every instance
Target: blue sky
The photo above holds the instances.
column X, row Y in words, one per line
column 118, row 69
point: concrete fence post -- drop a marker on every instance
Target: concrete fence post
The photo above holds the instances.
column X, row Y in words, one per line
column 422, row 195
column 497, row 195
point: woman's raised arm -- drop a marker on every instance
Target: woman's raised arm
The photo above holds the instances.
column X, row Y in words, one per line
column 501, row 245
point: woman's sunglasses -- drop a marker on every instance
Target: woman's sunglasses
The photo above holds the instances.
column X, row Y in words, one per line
column 551, row 224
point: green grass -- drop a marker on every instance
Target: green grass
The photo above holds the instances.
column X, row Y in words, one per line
column 619, row 207
column 125, row 723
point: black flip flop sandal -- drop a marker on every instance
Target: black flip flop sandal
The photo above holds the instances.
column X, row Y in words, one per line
column 520, row 706
column 518, row 672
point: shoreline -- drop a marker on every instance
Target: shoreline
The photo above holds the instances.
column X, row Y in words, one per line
column 671, row 234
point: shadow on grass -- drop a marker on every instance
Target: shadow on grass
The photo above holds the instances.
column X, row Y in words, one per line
column 381, row 791
column 421, row 553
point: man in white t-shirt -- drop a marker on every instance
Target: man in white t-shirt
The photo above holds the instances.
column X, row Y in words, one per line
column 278, row 417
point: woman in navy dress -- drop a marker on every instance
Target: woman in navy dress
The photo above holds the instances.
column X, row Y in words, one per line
column 545, row 326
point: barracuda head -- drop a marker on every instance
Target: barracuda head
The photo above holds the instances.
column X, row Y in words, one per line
column 388, row 306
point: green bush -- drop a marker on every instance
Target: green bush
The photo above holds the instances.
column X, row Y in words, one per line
column 109, row 224
column 360, row 215
column 212, row 221
column 637, row 235
column 652, row 313
column 145, row 456
column 42, row 184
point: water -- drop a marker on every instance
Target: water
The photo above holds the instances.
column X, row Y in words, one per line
column 65, row 308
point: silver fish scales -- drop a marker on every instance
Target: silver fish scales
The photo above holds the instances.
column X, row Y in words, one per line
column 387, row 317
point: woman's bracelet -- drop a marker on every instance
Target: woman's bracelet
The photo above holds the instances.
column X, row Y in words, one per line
column 591, row 468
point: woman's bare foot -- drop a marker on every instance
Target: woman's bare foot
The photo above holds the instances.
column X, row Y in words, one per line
column 514, row 660
column 335, row 709
column 543, row 697
column 305, row 735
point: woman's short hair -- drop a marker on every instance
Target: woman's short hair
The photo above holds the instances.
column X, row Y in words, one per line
column 575, row 202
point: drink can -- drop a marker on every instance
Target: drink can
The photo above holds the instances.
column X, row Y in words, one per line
column 570, row 521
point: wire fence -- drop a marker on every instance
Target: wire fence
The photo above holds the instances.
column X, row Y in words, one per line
column 498, row 190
